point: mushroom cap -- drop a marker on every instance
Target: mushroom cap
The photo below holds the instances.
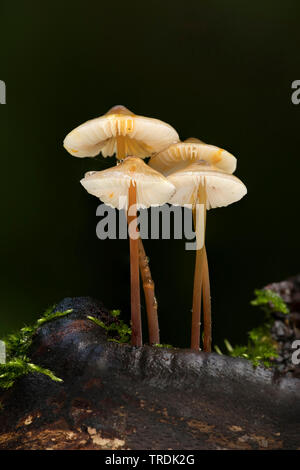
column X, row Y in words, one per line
column 222, row 188
column 180, row 154
column 144, row 136
column 152, row 188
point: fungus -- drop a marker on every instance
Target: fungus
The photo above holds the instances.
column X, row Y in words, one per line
column 131, row 185
column 120, row 132
column 180, row 154
column 124, row 133
column 205, row 187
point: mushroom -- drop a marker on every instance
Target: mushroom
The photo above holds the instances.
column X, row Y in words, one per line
column 177, row 156
column 124, row 133
column 180, row 154
column 120, row 132
column 205, row 187
column 131, row 185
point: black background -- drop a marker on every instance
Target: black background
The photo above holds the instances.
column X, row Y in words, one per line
column 220, row 71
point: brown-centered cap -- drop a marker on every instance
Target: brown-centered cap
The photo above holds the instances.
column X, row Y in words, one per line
column 112, row 185
column 222, row 188
column 143, row 136
column 180, row 154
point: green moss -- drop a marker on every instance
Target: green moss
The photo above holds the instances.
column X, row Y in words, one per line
column 17, row 367
column 115, row 313
column 269, row 301
column 260, row 349
column 218, row 350
column 118, row 332
column 97, row 321
column 17, row 346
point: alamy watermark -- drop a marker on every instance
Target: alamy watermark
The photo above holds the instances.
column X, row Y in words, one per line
column 161, row 222
column 296, row 353
column 296, row 94
column 2, row 92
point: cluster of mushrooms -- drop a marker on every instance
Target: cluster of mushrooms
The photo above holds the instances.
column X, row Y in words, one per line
column 179, row 173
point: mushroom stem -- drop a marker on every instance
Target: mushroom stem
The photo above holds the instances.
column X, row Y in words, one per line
column 200, row 233
column 206, row 305
column 136, row 324
column 121, row 150
column 148, row 284
column 150, row 299
column 196, row 315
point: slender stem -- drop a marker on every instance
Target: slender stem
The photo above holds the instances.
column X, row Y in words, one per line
column 150, row 299
column 148, row 284
column 136, row 323
column 196, row 313
column 121, row 147
column 206, row 305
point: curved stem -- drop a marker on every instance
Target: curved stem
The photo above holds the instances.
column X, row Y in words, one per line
column 150, row 299
column 206, row 305
column 136, row 323
column 200, row 232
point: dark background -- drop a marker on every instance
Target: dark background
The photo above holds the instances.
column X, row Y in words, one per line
column 220, row 71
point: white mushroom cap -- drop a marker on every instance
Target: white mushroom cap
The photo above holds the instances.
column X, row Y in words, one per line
column 112, row 185
column 144, row 136
column 178, row 155
column 222, row 188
